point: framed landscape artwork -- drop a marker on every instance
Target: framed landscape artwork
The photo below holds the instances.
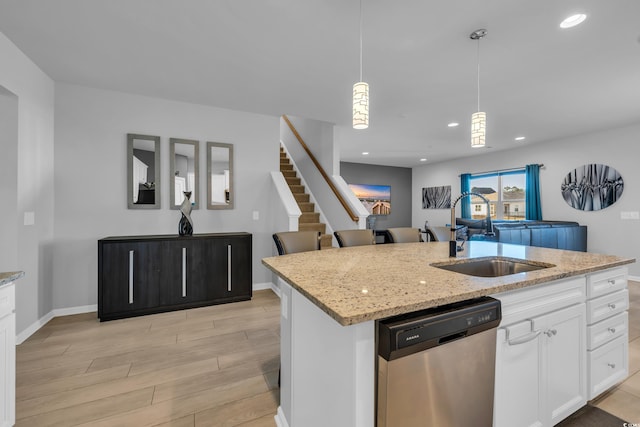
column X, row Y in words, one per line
column 375, row 198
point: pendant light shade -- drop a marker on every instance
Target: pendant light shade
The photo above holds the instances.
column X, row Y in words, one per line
column 478, row 129
column 479, row 118
column 360, row 105
column 360, row 93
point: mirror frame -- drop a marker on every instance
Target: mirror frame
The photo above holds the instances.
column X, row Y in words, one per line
column 210, row 204
column 172, row 171
column 158, row 189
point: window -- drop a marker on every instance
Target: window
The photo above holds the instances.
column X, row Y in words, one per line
column 505, row 192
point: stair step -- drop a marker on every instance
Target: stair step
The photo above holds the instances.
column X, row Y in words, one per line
column 292, row 180
column 313, row 227
column 309, row 217
column 297, row 189
column 307, row 206
column 289, row 174
column 283, row 154
column 326, row 241
column 284, row 160
column 301, row 198
column 284, row 167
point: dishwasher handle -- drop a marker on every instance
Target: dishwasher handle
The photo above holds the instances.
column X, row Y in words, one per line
column 524, row 338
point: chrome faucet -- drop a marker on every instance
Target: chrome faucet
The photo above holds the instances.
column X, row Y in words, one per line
column 453, row 241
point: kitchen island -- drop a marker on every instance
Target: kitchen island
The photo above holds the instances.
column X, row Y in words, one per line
column 332, row 298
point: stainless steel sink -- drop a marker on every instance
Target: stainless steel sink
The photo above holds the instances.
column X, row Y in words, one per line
column 492, row 267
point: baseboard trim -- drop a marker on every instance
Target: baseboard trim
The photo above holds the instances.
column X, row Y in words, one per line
column 35, row 326
column 634, row 278
column 262, row 286
column 281, row 421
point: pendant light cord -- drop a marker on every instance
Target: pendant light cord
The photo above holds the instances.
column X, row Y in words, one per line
column 478, row 74
column 360, row 40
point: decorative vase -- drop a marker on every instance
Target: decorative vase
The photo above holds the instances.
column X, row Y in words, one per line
column 185, row 226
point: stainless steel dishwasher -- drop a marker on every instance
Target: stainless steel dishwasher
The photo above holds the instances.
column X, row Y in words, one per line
column 436, row 367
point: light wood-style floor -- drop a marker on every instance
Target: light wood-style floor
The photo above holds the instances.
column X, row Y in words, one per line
column 210, row 366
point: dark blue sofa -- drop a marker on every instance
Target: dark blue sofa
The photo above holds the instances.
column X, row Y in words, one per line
column 547, row 234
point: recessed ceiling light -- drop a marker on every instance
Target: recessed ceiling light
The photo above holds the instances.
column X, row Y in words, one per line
column 423, row 160
column 365, row 153
column 519, row 138
column 573, row 20
column 453, row 124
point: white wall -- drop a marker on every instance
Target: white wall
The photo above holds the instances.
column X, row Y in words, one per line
column 90, row 179
column 607, row 233
column 33, row 155
column 318, row 136
column 9, row 224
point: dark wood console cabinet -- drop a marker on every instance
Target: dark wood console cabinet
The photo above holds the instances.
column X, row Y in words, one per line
column 140, row 275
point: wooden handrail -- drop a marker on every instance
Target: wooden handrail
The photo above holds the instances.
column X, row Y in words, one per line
column 342, row 201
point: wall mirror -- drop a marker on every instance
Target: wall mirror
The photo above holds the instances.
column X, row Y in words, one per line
column 143, row 171
column 219, row 175
column 183, row 162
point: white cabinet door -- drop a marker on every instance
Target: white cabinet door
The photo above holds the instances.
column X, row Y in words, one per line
column 7, row 370
column 518, row 374
column 541, row 369
column 564, row 361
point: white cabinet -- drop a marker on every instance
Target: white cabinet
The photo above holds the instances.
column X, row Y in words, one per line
column 7, row 356
column 607, row 330
column 540, row 355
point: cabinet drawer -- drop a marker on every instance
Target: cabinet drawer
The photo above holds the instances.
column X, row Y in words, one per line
column 606, row 306
column 605, row 282
column 607, row 330
column 608, row 365
column 7, row 299
column 522, row 304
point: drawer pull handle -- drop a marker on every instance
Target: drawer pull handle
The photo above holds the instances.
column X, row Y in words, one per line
column 611, row 306
column 130, row 277
column 525, row 338
column 612, row 330
column 551, row 332
column 184, row 272
column 611, row 281
column 611, row 365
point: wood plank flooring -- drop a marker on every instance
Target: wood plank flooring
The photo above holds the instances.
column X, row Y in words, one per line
column 210, row 366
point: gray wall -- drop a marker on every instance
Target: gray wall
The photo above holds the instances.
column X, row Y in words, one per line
column 398, row 178
column 93, row 124
column 31, row 184
column 607, row 232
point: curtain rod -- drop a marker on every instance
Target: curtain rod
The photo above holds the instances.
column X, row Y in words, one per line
column 541, row 165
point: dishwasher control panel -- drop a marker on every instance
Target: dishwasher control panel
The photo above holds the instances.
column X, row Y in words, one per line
column 409, row 333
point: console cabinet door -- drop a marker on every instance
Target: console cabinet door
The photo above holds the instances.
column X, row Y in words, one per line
column 238, row 280
column 131, row 274
column 228, row 268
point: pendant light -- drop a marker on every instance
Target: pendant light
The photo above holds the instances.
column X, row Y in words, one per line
column 479, row 118
column 360, row 93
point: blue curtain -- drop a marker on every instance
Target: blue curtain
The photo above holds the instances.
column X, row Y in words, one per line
column 533, row 207
column 465, row 186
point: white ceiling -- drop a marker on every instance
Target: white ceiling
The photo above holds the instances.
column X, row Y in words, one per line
column 301, row 58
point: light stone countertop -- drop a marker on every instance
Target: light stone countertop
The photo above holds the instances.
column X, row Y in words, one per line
column 362, row 283
column 10, row 276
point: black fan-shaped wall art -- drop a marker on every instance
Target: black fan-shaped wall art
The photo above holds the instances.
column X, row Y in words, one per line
column 592, row 187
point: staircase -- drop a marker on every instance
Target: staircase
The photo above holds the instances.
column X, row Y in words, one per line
column 310, row 219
